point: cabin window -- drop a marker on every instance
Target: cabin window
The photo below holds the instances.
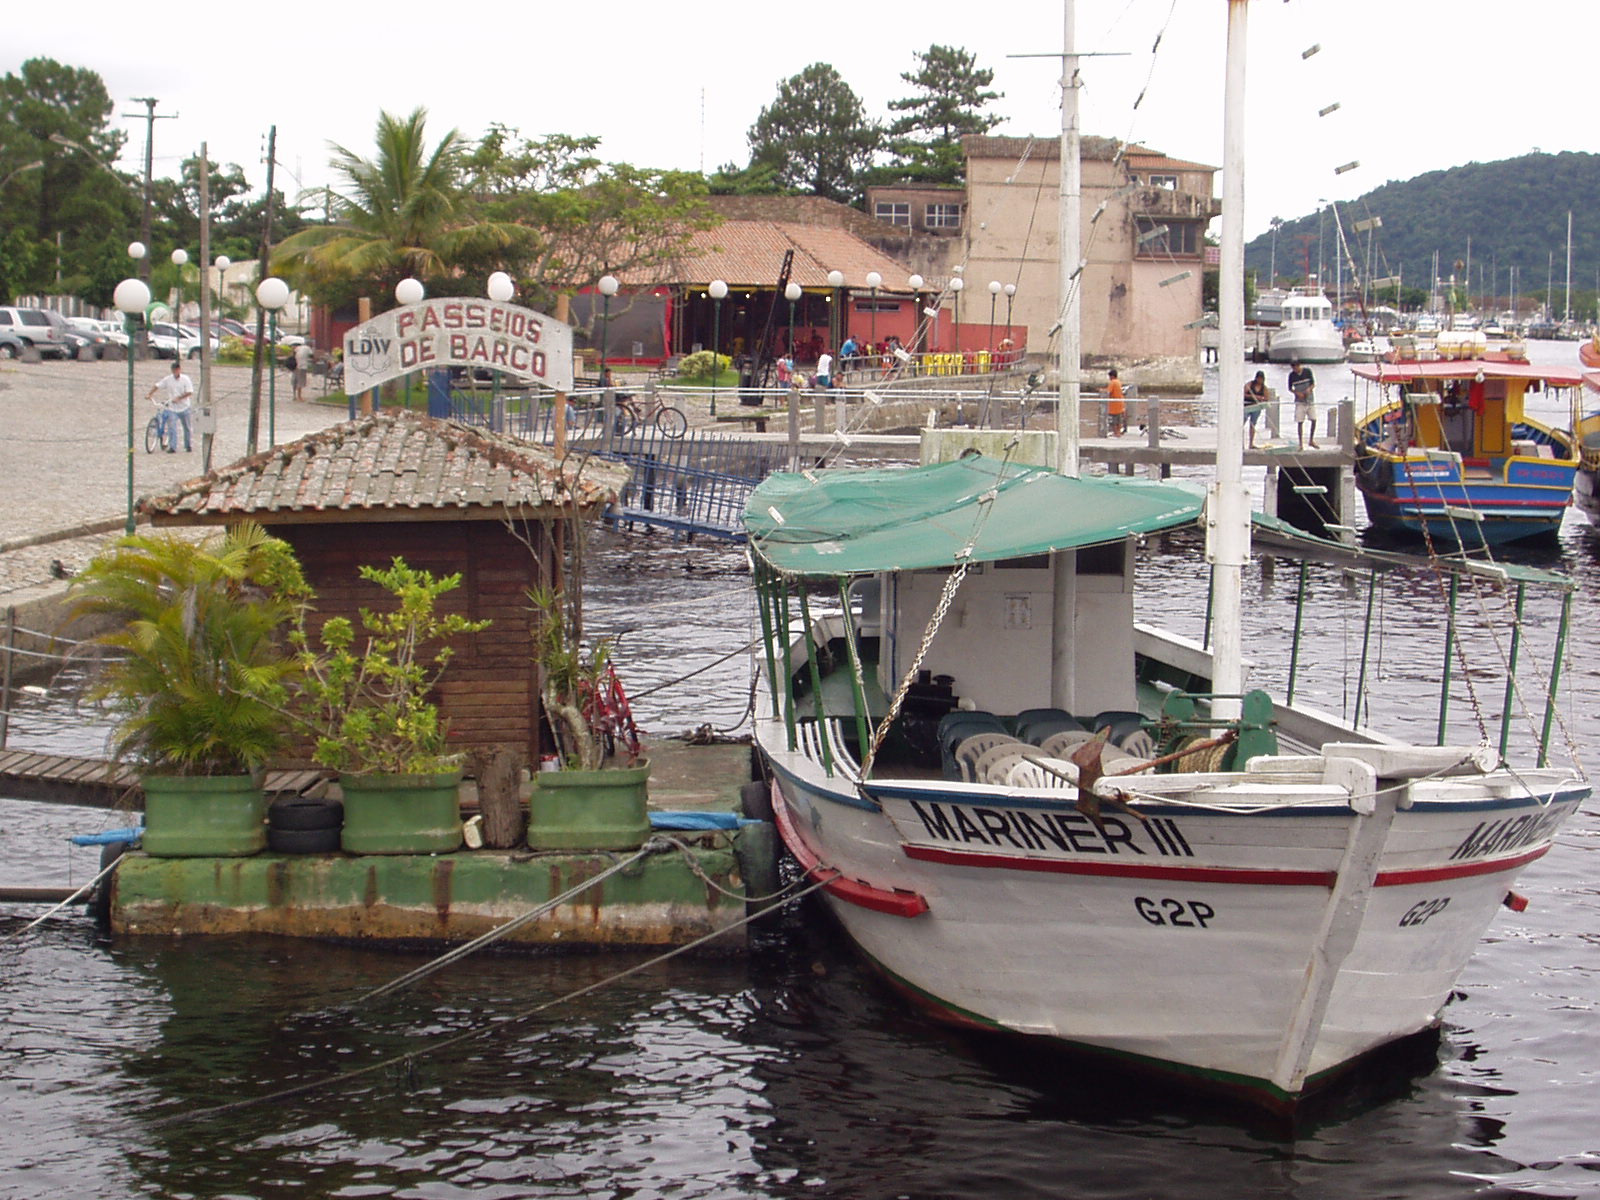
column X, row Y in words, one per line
column 896, row 212
column 1106, row 559
column 1165, row 237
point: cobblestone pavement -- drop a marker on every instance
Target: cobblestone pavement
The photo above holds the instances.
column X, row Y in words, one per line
column 64, row 461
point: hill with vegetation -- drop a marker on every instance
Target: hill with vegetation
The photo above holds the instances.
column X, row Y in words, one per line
column 1482, row 219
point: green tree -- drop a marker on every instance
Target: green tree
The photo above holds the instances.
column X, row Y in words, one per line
column 575, row 216
column 926, row 141
column 404, row 212
column 57, row 215
column 816, row 136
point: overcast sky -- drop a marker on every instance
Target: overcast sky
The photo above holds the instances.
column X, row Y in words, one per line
column 1421, row 86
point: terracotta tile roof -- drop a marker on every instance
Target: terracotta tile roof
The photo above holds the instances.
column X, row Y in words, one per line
column 393, row 465
column 749, row 254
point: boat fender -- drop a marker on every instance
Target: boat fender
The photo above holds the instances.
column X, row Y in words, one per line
column 1515, row 902
column 755, row 801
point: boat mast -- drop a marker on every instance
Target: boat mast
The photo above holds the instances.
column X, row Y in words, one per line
column 1069, row 238
column 1228, row 521
column 1566, row 318
column 1064, row 563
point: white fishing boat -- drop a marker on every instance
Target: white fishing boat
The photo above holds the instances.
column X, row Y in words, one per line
column 1307, row 333
column 1040, row 814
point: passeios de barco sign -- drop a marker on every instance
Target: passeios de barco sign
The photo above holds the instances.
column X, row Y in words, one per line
column 459, row 332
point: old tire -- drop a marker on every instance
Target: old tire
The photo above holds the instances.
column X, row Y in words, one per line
column 305, row 813
column 303, row 841
column 100, row 902
column 755, row 801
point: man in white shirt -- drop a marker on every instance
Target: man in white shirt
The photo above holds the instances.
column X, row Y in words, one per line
column 177, row 393
column 825, row 370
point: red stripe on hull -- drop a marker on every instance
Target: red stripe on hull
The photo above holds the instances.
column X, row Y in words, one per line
column 1436, row 874
column 893, row 901
column 1058, row 866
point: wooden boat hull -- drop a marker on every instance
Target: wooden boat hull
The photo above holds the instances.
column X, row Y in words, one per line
column 1417, row 496
column 1181, row 940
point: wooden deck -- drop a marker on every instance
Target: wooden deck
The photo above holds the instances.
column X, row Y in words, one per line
column 99, row 783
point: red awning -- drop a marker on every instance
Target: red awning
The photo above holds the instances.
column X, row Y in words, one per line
column 1465, row 368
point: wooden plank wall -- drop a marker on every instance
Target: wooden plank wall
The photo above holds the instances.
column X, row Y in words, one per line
column 488, row 693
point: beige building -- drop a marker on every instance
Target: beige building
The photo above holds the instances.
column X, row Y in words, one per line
column 1143, row 239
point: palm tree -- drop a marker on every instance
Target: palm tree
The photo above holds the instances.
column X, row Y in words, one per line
column 403, row 212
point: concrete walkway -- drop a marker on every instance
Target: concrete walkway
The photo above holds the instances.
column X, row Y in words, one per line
column 63, row 457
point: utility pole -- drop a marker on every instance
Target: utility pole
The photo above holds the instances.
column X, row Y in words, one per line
column 149, row 116
column 265, row 255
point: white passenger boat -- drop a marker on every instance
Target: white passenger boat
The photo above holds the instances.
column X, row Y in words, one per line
column 1308, row 332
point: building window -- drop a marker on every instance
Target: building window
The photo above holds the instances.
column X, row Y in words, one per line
column 896, row 212
column 943, row 216
column 1170, row 182
column 1164, row 237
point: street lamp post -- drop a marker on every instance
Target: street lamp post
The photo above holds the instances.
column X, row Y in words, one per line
column 179, row 257
column 994, row 294
column 718, row 291
column 272, row 294
column 791, row 293
column 131, row 298
column 407, row 292
column 874, row 281
column 956, row 284
column 915, row 282
column 836, row 318
column 608, row 286
column 500, row 289
column 136, row 251
column 1011, row 294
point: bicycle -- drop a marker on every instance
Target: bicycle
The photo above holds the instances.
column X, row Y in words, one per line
column 152, row 431
column 668, row 421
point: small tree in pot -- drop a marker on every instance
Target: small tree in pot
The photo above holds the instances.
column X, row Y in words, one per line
column 367, row 702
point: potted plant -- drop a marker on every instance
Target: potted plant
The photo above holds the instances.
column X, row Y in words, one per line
column 199, row 676
column 597, row 800
column 366, row 700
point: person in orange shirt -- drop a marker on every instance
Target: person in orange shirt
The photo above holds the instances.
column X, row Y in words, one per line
column 1116, row 406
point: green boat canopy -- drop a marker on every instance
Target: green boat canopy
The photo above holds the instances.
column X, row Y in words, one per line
column 832, row 523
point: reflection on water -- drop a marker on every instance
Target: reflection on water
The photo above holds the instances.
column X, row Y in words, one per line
column 792, row 1073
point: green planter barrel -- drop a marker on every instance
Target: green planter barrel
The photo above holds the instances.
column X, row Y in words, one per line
column 589, row 810
column 401, row 814
column 203, row 816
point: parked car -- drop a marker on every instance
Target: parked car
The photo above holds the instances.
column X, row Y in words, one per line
column 110, row 331
column 171, row 341
column 11, row 346
column 34, row 326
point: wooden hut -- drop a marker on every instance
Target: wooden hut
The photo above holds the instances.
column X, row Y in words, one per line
column 446, row 497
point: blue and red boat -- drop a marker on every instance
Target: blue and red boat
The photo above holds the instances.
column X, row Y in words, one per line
column 1452, row 452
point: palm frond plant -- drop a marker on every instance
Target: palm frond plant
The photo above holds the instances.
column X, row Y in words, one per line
column 200, row 664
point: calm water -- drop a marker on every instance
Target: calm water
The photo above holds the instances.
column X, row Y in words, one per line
column 791, row 1073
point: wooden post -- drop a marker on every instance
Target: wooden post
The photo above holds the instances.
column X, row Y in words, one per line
column 1152, row 433
column 498, row 772
column 794, row 428
column 363, row 315
column 563, row 313
column 5, row 678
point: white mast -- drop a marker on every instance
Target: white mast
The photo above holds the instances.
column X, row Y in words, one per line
column 1064, row 605
column 1069, row 239
column 1228, row 507
column 1567, row 316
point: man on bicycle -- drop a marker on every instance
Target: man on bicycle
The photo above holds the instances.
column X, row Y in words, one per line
column 177, row 392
